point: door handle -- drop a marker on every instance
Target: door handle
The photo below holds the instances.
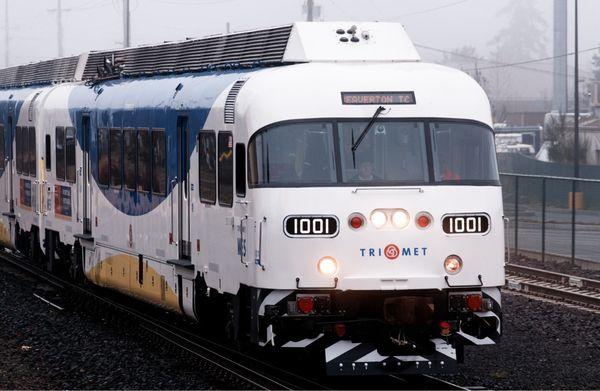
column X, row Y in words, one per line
column 259, row 250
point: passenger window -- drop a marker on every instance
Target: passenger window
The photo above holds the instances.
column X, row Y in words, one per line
column 130, row 155
column 32, row 152
column 2, row 148
column 48, row 160
column 103, row 160
column 159, row 162
column 208, row 171
column 144, row 160
column 60, row 152
column 70, row 154
column 24, row 153
column 225, row 172
column 240, row 170
column 18, row 148
column 116, row 157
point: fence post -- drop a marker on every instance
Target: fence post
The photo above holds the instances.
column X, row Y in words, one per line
column 543, row 220
column 573, row 205
column 516, row 216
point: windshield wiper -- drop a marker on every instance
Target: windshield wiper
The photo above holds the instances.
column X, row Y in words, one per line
column 364, row 133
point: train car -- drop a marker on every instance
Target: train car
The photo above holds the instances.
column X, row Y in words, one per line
column 312, row 186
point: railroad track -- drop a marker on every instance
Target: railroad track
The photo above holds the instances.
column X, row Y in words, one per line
column 574, row 290
column 218, row 361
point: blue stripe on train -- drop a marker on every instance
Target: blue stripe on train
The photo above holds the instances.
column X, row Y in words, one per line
column 151, row 103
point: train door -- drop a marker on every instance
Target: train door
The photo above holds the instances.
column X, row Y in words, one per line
column 245, row 223
column 86, row 172
column 183, row 190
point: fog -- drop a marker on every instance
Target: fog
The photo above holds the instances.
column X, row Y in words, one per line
column 439, row 24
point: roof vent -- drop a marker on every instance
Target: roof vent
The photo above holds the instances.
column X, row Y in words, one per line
column 230, row 101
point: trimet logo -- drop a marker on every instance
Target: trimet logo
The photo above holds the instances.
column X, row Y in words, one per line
column 391, row 252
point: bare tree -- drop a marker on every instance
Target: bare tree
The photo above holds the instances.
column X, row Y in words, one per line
column 562, row 142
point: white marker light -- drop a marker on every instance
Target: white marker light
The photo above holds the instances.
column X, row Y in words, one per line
column 400, row 218
column 378, row 218
column 327, row 266
column 453, row 264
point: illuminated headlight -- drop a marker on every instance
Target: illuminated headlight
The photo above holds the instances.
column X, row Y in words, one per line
column 400, row 218
column 378, row 218
column 327, row 266
column 453, row 264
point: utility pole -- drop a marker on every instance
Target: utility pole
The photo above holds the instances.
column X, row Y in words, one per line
column 6, row 40
column 576, row 139
column 227, row 27
column 310, row 5
column 59, row 29
column 126, row 25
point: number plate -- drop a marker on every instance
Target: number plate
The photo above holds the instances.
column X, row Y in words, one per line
column 299, row 226
column 476, row 223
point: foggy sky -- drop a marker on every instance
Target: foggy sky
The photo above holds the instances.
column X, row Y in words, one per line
column 97, row 24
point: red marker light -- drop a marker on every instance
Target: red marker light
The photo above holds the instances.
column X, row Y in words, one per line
column 423, row 220
column 356, row 221
column 444, row 328
column 305, row 304
column 340, row 329
column 474, row 302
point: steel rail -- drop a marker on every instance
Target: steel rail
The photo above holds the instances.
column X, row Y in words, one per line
column 566, row 279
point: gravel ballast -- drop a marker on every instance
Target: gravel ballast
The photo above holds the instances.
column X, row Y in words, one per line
column 544, row 346
column 44, row 348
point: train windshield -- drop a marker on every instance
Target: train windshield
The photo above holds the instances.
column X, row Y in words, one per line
column 392, row 152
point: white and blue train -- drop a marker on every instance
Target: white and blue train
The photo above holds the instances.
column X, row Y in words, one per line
column 312, row 186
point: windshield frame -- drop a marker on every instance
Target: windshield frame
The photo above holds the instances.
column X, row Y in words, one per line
column 338, row 164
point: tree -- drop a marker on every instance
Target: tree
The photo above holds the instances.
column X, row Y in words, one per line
column 524, row 37
column 562, row 142
column 467, row 59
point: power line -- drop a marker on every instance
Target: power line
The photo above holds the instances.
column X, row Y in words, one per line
column 430, row 9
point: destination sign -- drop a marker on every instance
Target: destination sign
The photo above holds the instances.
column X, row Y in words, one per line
column 379, row 98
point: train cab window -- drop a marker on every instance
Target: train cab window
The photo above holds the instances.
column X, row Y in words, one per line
column 103, row 157
column 129, row 138
column 60, row 152
column 463, row 152
column 293, row 154
column 116, row 157
column 32, row 152
column 159, row 162
column 391, row 152
column 2, row 148
column 225, row 168
column 240, row 170
column 48, row 156
column 144, row 162
column 208, row 169
column 70, row 154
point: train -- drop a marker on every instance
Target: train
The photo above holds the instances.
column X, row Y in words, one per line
column 314, row 186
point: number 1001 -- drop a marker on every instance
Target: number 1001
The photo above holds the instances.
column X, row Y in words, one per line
column 465, row 224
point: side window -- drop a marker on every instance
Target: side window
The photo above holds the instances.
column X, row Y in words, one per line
column 116, row 157
column 70, row 154
column 130, row 155
column 2, row 148
column 240, row 170
column 144, row 160
column 18, row 148
column 103, row 160
column 24, row 152
column 48, row 159
column 159, row 162
column 225, row 171
column 60, row 152
column 32, row 152
column 208, row 170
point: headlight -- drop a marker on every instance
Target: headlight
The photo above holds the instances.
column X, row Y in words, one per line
column 453, row 264
column 378, row 218
column 400, row 218
column 327, row 266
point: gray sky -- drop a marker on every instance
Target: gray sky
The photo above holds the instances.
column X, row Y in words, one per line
column 97, row 24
